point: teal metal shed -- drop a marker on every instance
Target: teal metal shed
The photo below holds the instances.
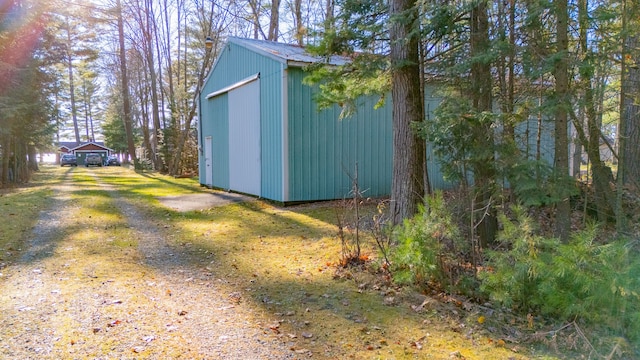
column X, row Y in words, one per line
column 262, row 134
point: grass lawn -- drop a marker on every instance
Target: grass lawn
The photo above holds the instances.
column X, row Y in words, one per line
column 283, row 260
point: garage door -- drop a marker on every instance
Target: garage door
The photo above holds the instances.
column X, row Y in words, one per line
column 244, row 138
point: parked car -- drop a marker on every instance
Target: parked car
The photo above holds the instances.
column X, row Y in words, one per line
column 93, row 159
column 68, row 159
column 112, row 160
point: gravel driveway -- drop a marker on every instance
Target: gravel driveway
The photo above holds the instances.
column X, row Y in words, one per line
column 60, row 300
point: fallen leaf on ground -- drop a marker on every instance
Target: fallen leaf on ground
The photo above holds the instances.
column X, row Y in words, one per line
column 389, row 301
column 275, row 327
column 114, row 323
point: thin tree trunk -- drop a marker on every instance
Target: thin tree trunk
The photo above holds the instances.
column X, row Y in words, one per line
column 72, row 91
column 157, row 160
column 156, row 31
column 602, row 177
column 255, row 11
column 32, row 157
column 126, row 101
column 509, row 127
column 86, row 110
column 5, row 160
column 329, row 8
column 183, row 135
column 142, row 95
column 171, row 137
column 621, row 223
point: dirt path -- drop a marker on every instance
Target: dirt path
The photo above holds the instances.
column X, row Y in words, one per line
column 82, row 290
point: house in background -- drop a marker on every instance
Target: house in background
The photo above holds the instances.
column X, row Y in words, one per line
column 64, row 147
column 82, row 149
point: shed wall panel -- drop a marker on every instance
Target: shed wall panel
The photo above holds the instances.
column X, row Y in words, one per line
column 436, row 178
column 217, row 127
column 324, row 150
column 271, row 131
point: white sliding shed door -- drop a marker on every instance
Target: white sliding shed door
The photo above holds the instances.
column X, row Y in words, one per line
column 244, row 138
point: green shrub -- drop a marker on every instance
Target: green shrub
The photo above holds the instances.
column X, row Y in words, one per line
column 535, row 183
column 519, row 265
column 596, row 283
column 425, row 245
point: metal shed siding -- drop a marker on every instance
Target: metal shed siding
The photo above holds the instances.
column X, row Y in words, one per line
column 436, row 178
column 525, row 137
column 234, row 64
column 323, row 150
column 271, row 130
column 526, row 134
column 218, row 130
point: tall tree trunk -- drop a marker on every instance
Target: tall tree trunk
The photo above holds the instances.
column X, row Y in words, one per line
column 126, row 101
column 329, row 20
column 171, row 138
column 183, row 135
column 509, row 131
column 255, row 12
column 32, row 155
column 157, row 28
column 274, row 21
column 621, row 223
column 407, row 188
column 149, row 56
column 142, row 95
column 72, row 91
column 4, row 172
column 484, row 172
column 602, row 177
column 300, row 28
column 86, row 109
column 561, row 151
column 630, row 122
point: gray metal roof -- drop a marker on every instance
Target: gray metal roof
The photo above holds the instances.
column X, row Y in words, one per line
column 287, row 52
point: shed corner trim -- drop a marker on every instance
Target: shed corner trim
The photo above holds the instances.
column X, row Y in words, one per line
column 233, row 86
